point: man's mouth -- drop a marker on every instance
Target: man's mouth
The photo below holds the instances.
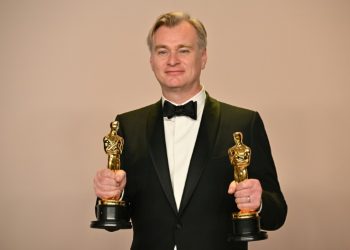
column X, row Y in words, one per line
column 174, row 72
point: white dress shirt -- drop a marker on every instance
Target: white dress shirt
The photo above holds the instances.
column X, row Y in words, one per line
column 180, row 137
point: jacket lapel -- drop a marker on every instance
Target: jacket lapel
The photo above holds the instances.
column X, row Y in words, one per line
column 203, row 148
column 157, row 150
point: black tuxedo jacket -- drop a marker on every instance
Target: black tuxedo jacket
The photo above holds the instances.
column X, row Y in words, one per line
column 203, row 221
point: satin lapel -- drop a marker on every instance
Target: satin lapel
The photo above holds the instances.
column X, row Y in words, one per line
column 157, row 149
column 202, row 150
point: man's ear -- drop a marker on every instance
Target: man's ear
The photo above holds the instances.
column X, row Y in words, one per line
column 204, row 58
column 151, row 61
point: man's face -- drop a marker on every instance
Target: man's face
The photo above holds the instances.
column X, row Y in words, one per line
column 176, row 59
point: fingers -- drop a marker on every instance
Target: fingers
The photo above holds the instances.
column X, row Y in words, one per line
column 248, row 195
column 109, row 184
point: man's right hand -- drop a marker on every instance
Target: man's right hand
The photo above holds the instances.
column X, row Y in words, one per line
column 109, row 184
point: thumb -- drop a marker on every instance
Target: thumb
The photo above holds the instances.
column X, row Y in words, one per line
column 232, row 187
column 120, row 176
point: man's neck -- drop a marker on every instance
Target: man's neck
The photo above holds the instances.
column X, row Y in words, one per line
column 180, row 96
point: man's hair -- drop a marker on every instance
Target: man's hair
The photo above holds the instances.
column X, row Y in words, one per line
column 172, row 19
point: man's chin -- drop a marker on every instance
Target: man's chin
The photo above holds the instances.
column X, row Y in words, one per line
column 175, row 84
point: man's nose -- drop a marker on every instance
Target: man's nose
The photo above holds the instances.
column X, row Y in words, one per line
column 173, row 59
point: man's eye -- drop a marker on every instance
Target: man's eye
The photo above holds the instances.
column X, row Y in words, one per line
column 162, row 52
column 184, row 51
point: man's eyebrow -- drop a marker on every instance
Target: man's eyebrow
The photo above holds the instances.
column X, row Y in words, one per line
column 185, row 46
column 160, row 47
column 178, row 47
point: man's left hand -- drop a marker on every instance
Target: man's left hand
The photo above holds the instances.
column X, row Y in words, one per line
column 247, row 194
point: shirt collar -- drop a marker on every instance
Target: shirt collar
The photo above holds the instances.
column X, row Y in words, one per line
column 199, row 98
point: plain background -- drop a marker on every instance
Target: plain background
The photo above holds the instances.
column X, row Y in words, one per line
column 68, row 67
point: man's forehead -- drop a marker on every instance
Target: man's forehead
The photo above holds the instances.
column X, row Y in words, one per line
column 180, row 27
column 175, row 36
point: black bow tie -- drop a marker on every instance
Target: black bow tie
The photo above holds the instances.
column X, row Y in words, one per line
column 189, row 109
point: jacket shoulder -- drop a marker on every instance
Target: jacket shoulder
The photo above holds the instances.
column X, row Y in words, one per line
column 138, row 114
column 234, row 113
column 235, row 109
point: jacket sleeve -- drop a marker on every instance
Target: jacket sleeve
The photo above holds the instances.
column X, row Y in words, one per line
column 274, row 206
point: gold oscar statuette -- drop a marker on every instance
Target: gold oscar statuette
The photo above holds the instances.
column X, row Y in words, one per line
column 246, row 223
column 113, row 145
column 112, row 214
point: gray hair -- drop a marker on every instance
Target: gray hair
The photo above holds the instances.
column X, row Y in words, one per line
column 172, row 19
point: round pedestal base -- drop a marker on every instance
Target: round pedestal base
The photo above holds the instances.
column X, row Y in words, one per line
column 111, row 217
column 111, row 226
column 262, row 235
column 247, row 229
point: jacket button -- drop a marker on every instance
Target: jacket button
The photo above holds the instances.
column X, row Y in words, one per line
column 178, row 226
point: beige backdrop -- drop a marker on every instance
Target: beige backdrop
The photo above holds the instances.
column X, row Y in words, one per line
column 68, row 67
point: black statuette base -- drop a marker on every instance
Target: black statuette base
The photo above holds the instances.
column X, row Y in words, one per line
column 247, row 229
column 111, row 217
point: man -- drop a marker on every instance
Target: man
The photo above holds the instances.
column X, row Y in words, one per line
column 176, row 172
